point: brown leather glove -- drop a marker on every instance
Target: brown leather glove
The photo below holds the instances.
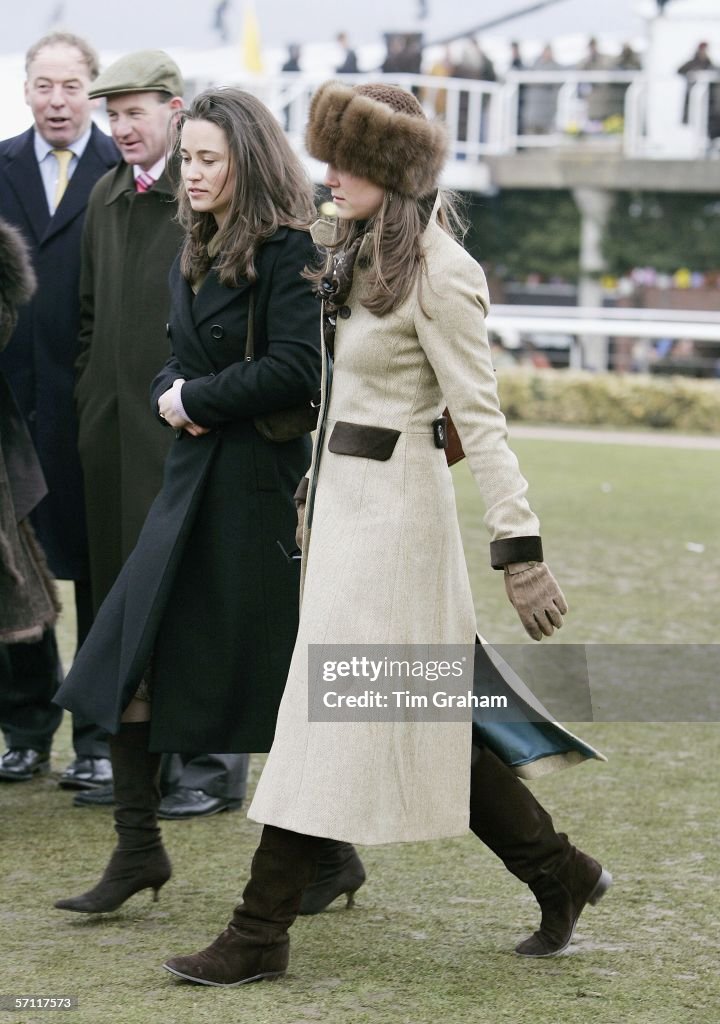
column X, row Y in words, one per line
column 536, row 597
column 300, row 498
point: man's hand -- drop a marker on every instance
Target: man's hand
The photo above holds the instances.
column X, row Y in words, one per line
column 536, row 597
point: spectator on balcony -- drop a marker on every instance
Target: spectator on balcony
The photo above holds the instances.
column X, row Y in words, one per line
column 349, row 64
column 292, row 64
column 597, row 94
column 700, row 61
column 540, row 101
column 436, row 99
column 293, row 61
column 627, row 60
column 474, row 63
column 517, row 64
column 516, row 61
column 404, row 55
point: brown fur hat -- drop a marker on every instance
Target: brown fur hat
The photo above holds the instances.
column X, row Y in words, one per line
column 379, row 132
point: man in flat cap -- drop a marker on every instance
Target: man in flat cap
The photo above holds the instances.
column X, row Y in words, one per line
column 46, row 175
column 131, row 239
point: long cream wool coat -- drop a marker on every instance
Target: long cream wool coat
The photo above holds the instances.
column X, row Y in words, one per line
column 384, row 562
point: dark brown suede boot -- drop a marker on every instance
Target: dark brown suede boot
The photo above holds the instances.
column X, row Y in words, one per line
column 340, row 872
column 139, row 860
column 562, row 897
column 505, row 815
column 255, row 944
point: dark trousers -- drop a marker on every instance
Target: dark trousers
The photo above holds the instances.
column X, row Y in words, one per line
column 220, row 775
column 29, row 677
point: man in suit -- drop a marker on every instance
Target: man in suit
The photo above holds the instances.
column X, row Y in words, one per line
column 46, row 175
column 130, row 240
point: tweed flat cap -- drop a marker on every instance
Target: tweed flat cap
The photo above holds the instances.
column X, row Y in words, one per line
column 143, row 71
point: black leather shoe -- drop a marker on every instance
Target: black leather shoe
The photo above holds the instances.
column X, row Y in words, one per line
column 87, row 773
column 103, row 796
column 20, row 764
column 194, row 803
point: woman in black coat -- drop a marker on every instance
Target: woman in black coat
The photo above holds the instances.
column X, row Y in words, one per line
column 191, row 648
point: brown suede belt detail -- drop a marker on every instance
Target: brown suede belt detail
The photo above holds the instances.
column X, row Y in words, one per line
column 363, row 441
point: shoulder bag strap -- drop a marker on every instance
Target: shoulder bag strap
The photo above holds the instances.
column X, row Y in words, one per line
column 249, row 342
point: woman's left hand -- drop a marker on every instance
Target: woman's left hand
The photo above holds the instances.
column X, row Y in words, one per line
column 536, row 597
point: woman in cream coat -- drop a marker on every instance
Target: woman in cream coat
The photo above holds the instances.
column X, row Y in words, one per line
column 404, row 335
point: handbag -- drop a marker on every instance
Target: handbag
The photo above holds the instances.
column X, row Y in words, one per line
column 285, row 424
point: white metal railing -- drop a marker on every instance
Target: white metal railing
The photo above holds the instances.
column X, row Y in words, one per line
column 614, row 322
column 700, row 104
column 529, row 110
column 571, row 326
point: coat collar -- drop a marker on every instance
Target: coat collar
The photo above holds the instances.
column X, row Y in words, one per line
column 124, row 181
column 98, row 157
column 23, row 175
column 324, row 231
column 214, row 296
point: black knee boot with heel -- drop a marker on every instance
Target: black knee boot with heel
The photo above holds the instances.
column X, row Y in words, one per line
column 340, row 872
column 505, row 816
column 139, row 860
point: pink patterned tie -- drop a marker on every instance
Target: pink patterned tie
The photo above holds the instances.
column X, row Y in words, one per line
column 143, row 181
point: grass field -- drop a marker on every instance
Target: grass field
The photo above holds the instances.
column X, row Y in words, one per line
column 431, row 936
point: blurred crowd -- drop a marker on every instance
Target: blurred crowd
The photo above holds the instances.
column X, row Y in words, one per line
column 537, row 103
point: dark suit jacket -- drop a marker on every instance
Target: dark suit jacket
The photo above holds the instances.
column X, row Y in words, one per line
column 39, row 359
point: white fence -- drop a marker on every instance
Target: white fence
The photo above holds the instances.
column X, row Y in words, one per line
column 690, row 338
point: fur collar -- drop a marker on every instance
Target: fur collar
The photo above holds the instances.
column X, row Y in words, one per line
column 17, row 278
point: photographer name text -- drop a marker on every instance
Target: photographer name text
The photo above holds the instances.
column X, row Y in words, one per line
column 407, row 699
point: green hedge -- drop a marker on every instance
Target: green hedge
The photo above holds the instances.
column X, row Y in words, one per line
column 588, row 399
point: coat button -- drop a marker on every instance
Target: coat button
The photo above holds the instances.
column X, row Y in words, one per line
column 216, row 332
column 345, row 312
column 168, row 331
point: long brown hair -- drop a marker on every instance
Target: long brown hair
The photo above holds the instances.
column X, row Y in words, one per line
column 397, row 252
column 271, row 189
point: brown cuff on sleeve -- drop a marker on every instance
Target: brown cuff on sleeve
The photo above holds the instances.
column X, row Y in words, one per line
column 515, row 549
column 301, row 493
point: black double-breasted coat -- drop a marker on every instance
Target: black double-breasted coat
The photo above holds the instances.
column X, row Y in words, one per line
column 208, row 593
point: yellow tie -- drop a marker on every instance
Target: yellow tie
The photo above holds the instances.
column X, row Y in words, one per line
column 63, row 157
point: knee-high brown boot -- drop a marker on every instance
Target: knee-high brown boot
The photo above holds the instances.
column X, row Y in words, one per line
column 255, row 944
column 505, row 816
column 139, row 860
